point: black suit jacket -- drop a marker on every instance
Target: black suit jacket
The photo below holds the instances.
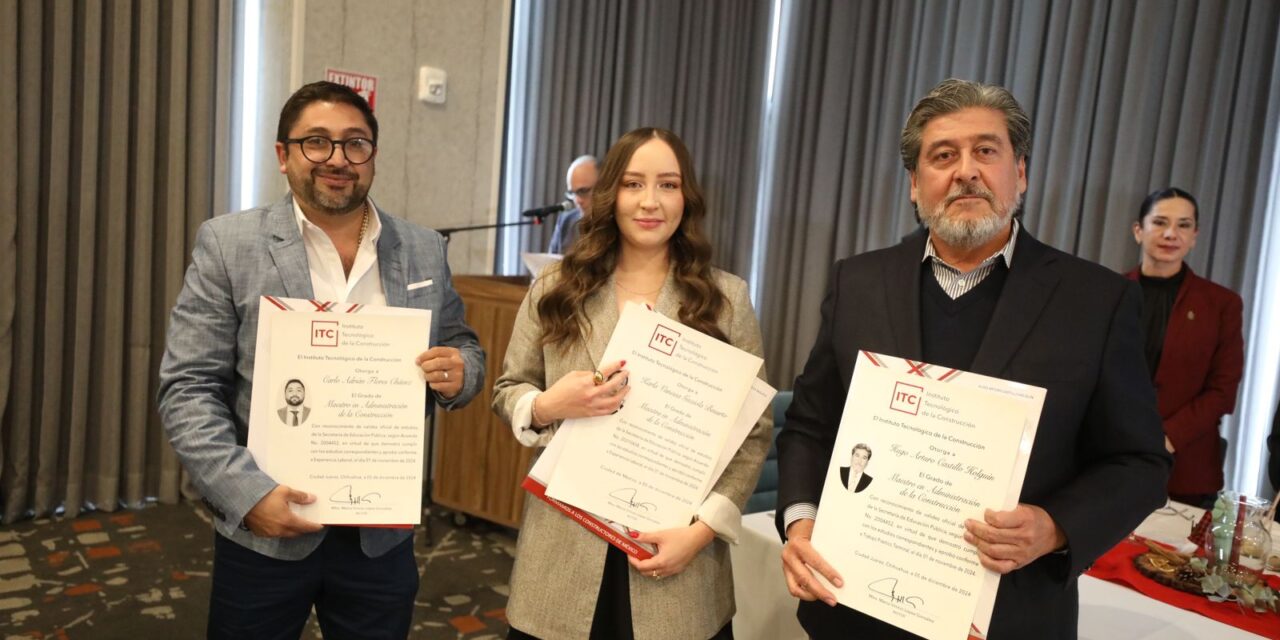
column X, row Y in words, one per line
column 1099, row 465
column 863, row 482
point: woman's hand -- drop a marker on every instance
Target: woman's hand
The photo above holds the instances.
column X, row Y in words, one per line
column 676, row 549
column 577, row 395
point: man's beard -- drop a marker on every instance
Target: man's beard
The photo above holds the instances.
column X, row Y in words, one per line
column 969, row 233
column 294, row 401
column 329, row 202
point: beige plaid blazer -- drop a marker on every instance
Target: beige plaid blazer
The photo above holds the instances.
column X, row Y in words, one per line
column 559, row 564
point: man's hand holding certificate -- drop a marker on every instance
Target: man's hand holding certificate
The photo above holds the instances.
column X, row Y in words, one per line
column 338, row 408
column 921, row 450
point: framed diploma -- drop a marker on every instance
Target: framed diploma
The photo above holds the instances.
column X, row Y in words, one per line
column 338, row 408
column 921, row 449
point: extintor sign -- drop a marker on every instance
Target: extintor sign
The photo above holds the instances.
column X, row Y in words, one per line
column 363, row 84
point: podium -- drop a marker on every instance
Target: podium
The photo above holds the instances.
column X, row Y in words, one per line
column 479, row 465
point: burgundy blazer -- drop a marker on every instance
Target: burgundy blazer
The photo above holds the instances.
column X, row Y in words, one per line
column 1196, row 382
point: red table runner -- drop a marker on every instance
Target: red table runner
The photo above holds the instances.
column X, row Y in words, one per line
column 1117, row 566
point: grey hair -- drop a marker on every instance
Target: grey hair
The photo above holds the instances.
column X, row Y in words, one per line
column 952, row 95
column 577, row 162
column 864, row 447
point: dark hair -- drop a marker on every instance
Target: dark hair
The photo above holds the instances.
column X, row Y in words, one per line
column 591, row 258
column 1165, row 194
column 322, row 91
column 286, row 385
column 864, row 448
column 954, row 95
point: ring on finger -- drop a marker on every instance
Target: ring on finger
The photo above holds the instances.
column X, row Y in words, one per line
column 656, row 575
column 446, row 375
column 598, row 378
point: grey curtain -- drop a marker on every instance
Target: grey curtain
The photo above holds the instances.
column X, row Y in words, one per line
column 599, row 69
column 118, row 134
column 1126, row 97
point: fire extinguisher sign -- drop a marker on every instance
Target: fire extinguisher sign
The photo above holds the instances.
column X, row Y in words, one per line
column 364, row 84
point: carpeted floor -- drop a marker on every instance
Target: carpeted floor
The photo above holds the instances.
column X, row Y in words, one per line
column 145, row 574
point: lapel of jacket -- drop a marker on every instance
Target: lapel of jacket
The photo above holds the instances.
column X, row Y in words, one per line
column 1183, row 288
column 1178, row 329
column 901, row 278
column 391, row 262
column 601, row 311
column 1027, row 288
column 668, row 299
column 287, row 251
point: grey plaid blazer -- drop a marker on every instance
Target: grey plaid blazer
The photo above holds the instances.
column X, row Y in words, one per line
column 206, row 374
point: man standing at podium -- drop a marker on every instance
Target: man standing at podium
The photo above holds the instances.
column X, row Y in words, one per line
column 325, row 240
column 579, row 181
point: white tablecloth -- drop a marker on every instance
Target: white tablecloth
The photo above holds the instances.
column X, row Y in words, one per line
column 766, row 611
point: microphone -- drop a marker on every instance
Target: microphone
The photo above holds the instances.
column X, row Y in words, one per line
column 546, row 211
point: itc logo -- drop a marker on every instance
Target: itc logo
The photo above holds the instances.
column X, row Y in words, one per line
column 324, row 333
column 906, row 398
column 664, row 340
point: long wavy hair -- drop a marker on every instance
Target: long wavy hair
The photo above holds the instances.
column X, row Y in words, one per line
column 587, row 266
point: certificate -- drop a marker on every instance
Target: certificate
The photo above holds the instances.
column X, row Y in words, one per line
column 338, row 408
column 921, row 449
column 650, row 465
column 614, row 533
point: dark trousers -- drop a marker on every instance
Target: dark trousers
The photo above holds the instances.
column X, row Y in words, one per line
column 612, row 619
column 355, row 596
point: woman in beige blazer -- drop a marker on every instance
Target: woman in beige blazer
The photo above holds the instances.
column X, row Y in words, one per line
column 641, row 242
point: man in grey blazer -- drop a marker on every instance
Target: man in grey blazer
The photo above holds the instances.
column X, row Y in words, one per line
column 325, row 240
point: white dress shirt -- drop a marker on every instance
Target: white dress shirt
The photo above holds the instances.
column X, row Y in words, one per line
column 328, row 281
column 853, row 482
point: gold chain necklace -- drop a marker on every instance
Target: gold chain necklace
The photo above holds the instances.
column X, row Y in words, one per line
column 364, row 224
column 635, row 293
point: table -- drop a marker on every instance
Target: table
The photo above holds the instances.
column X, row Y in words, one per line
column 766, row 611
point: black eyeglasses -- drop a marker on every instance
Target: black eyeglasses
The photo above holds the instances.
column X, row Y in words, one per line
column 580, row 192
column 319, row 149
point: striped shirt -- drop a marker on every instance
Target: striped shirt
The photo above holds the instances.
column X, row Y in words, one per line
column 956, row 284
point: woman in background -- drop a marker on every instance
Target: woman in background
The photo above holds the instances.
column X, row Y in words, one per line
column 641, row 242
column 1195, row 352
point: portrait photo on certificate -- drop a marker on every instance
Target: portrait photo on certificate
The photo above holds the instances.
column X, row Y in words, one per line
column 921, row 449
column 338, row 408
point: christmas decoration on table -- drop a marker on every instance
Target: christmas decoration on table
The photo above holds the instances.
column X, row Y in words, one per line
column 1234, row 542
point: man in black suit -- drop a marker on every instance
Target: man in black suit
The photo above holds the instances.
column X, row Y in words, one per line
column 973, row 290
column 858, row 460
